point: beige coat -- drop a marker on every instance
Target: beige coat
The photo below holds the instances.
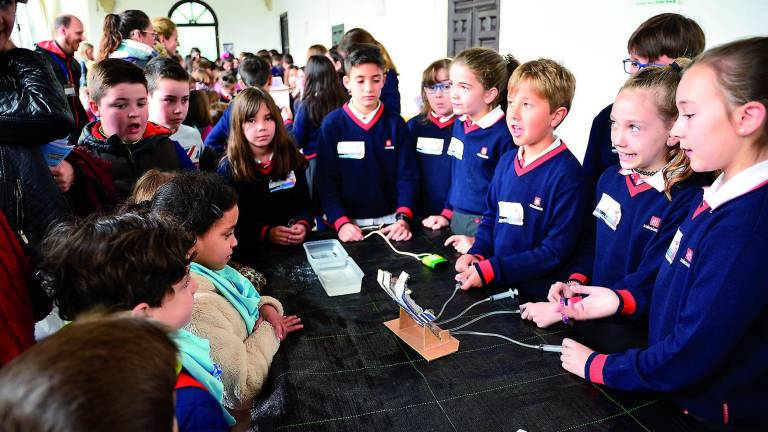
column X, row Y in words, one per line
column 244, row 358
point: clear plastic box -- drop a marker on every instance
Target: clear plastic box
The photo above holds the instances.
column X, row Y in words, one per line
column 338, row 273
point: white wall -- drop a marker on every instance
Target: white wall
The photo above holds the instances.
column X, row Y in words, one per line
column 587, row 36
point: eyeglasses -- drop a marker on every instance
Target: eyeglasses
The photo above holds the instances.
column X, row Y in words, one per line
column 155, row 35
column 632, row 66
column 437, row 87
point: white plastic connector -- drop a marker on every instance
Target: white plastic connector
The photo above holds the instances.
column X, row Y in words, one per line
column 506, row 294
column 551, row 348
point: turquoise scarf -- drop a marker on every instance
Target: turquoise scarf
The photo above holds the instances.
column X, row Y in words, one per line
column 236, row 288
column 196, row 359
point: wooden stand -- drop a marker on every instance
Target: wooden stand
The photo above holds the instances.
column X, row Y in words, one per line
column 420, row 338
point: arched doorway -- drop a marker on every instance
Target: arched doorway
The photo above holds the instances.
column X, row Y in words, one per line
column 197, row 26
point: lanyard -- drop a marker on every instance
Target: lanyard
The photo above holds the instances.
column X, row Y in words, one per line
column 64, row 68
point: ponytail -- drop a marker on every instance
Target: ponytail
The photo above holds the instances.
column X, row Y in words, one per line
column 110, row 37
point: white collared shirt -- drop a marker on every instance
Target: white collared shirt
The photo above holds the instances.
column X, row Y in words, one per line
column 364, row 118
column 526, row 162
column 489, row 119
column 721, row 191
column 656, row 181
column 442, row 119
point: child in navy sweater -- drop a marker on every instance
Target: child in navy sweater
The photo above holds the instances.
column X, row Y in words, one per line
column 432, row 130
column 478, row 85
column 708, row 308
column 656, row 42
column 266, row 169
column 536, row 202
column 638, row 207
column 323, row 93
column 390, row 93
column 367, row 173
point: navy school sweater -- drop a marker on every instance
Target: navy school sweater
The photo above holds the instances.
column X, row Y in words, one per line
column 432, row 139
column 305, row 132
column 476, row 153
column 390, row 93
column 600, row 153
column 266, row 203
column 365, row 171
column 532, row 222
column 708, row 344
column 632, row 227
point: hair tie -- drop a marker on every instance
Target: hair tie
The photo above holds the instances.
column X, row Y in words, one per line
column 676, row 67
column 216, row 210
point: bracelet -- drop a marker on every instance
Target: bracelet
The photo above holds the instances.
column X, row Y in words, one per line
column 564, row 303
column 403, row 217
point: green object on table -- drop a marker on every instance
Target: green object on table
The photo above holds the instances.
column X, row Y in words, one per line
column 433, row 261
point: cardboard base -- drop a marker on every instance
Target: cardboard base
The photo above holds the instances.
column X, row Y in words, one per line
column 422, row 339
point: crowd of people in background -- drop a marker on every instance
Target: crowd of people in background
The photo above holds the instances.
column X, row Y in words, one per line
column 140, row 185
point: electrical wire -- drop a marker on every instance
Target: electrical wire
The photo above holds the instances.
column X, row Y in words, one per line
column 485, row 315
column 540, row 347
column 412, row 255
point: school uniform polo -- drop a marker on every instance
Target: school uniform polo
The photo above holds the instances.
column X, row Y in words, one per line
column 633, row 223
column 708, row 310
column 533, row 219
column 366, row 165
column 476, row 149
column 433, row 135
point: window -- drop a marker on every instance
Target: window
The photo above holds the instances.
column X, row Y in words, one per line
column 197, row 26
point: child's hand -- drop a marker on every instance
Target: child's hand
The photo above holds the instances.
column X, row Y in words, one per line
column 282, row 324
column 464, row 261
column 560, row 289
column 599, row 303
column 469, row 279
column 298, row 233
column 283, row 235
column 544, row 314
column 461, row 243
column 350, row 232
column 63, row 175
column 398, row 231
column 435, row 222
column 574, row 357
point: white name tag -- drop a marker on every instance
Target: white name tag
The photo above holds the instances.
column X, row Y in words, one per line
column 69, row 91
column 430, row 146
column 456, row 148
column 511, row 213
column 674, row 246
column 609, row 210
column 351, row 149
column 278, row 185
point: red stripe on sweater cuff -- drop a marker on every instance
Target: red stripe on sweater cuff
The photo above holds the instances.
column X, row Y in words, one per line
column 486, row 271
column 340, row 222
column 303, row 222
column 596, row 369
column 629, row 303
column 448, row 214
column 264, row 231
column 479, row 257
column 406, row 211
column 581, row 278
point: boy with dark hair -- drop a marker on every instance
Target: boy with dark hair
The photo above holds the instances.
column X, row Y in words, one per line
column 138, row 264
column 168, row 87
column 117, row 149
column 656, row 42
column 366, row 169
column 63, row 382
column 254, row 71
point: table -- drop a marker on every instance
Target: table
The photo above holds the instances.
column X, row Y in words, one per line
column 345, row 371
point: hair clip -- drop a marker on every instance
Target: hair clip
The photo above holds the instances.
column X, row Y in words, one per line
column 676, row 67
column 216, row 210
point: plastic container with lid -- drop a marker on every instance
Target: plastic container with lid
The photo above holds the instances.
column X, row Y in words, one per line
column 338, row 273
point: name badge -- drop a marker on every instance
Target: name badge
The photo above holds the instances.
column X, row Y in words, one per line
column 511, row 213
column 278, row 185
column 674, row 246
column 456, row 148
column 609, row 210
column 69, row 90
column 430, row 146
column 351, row 149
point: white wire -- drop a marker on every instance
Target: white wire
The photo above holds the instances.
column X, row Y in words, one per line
column 412, row 255
column 485, row 315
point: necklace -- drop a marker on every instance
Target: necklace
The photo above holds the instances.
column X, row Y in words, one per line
column 644, row 172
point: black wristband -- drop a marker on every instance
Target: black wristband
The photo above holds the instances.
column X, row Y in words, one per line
column 403, row 217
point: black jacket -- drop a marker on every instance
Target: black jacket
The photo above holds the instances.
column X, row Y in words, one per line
column 127, row 162
column 33, row 111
